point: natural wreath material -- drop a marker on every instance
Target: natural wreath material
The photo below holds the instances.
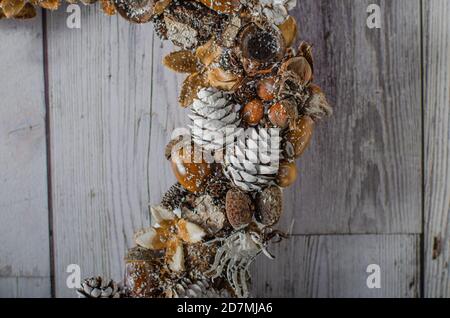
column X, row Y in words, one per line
column 253, row 110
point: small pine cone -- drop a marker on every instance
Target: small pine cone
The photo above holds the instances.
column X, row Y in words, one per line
column 254, row 163
column 215, row 119
column 197, row 289
column 174, row 197
column 98, row 287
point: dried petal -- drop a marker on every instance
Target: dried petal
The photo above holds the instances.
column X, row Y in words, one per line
column 208, row 52
column 289, row 30
column 175, row 256
column 12, row 7
column 191, row 85
column 190, row 232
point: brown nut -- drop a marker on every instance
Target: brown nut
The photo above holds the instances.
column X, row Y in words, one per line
column 137, row 11
column 239, row 208
column 278, row 115
column 253, row 112
column 266, row 89
column 269, row 205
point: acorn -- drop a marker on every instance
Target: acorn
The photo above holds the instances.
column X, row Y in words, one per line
column 253, row 112
column 137, row 11
column 287, row 174
column 239, row 208
column 298, row 137
column 269, row 205
column 191, row 172
column 266, row 89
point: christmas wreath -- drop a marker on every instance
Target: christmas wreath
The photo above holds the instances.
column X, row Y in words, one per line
column 253, row 110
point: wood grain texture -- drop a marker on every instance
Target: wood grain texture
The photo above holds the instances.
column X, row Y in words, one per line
column 335, row 266
column 437, row 147
column 24, row 231
column 362, row 173
column 167, row 116
column 100, row 95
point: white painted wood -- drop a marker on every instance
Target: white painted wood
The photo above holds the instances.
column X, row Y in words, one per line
column 24, row 230
column 100, row 97
column 437, row 147
column 335, row 266
column 362, row 171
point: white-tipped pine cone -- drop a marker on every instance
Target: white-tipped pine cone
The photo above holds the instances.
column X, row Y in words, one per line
column 98, row 287
column 253, row 161
column 198, row 289
column 215, row 119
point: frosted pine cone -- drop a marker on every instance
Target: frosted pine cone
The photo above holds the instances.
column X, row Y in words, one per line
column 98, row 287
column 252, row 164
column 198, row 289
column 214, row 119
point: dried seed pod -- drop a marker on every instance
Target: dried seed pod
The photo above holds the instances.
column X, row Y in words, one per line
column 137, row 11
column 260, row 47
column 299, row 66
column 287, row 174
column 239, row 208
column 192, row 173
column 289, row 30
column 266, row 88
column 183, row 61
column 221, row 79
column 269, row 206
column 298, row 137
column 317, row 106
column 253, row 112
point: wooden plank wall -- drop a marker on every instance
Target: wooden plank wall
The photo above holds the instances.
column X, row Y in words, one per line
column 24, row 227
column 361, row 197
column 436, row 47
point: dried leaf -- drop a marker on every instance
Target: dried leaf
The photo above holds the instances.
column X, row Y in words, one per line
column 191, row 85
column 47, row 4
column 12, row 7
column 108, row 7
column 181, row 61
column 160, row 6
column 28, row 12
column 289, row 30
column 208, row 52
column 221, row 79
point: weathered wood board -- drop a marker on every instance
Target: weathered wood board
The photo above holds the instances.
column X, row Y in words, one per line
column 113, row 107
column 24, row 230
column 437, row 147
column 336, row 266
column 362, row 172
column 100, row 119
